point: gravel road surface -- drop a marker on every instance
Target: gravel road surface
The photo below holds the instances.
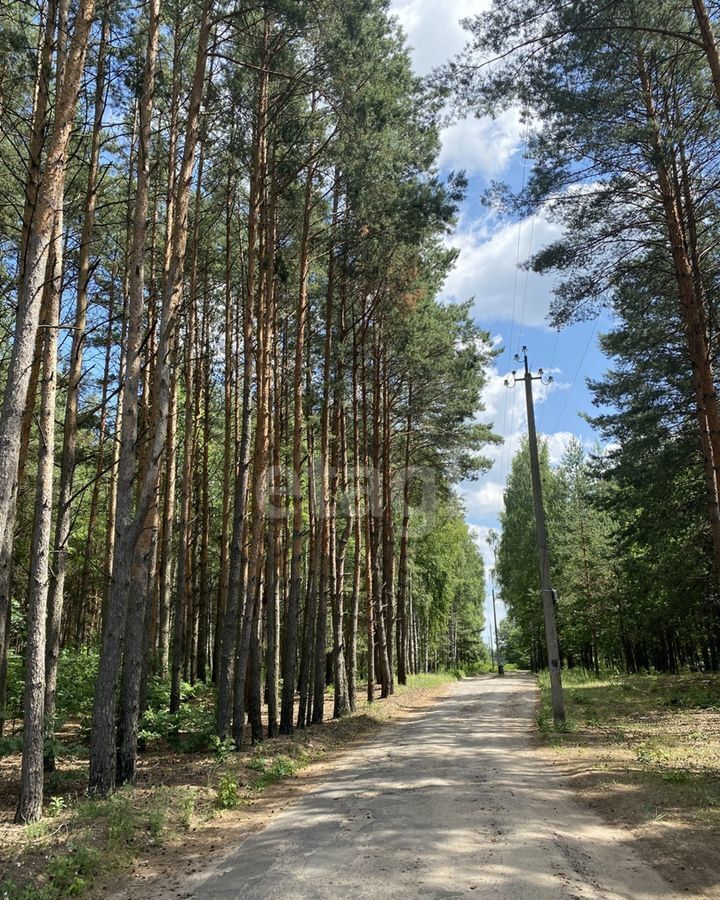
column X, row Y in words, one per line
column 452, row 803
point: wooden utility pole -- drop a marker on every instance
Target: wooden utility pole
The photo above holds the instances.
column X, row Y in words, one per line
column 551, row 637
column 500, row 668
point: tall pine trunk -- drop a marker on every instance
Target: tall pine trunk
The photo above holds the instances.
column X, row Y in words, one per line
column 48, row 200
column 289, row 667
column 69, row 451
column 31, row 774
column 102, row 737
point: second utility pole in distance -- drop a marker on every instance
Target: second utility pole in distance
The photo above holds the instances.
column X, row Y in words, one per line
column 558, row 704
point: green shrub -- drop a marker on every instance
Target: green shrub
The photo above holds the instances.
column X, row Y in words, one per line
column 272, row 770
column 227, row 793
column 11, row 891
column 479, row 668
column 190, row 729
column 222, row 748
column 11, row 744
column 15, row 688
column 156, row 822
column 77, row 670
column 56, row 805
column 70, row 873
column 675, row 776
column 187, row 811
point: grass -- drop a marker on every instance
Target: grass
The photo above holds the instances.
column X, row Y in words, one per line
column 644, row 750
column 180, row 791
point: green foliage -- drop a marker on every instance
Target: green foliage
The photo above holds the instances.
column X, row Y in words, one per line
column 616, row 94
column 479, row 668
column 191, row 728
column 228, row 796
column 187, row 811
column 71, row 873
column 222, row 748
column 11, row 743
column 56, row 806
column 15, row 686
column 157, row 820
column 36, row 831
column 77, row 671
column 67, row 874
column 272, row 770
column 11, row 891
column 448, row 584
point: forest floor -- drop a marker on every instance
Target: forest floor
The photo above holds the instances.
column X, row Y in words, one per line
column 185, row 806
column 644, row 751
column 456, row 801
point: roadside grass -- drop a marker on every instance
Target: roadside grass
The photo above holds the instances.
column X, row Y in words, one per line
column 643, row 748
column 182, row 787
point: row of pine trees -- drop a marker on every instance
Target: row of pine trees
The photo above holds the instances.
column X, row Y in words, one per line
column 233, row 410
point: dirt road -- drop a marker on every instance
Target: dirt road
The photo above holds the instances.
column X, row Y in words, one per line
column 454, row 803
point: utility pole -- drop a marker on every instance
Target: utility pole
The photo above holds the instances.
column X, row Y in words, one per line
column 492, row 540
column 492, row 655
column 551, row 637
column 500, row 667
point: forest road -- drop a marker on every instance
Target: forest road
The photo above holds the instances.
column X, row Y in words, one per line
column 454, row 802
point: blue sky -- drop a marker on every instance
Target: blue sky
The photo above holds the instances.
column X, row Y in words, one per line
column 510, row 303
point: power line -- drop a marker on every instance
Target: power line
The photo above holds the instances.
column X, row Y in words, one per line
column 577, row 372
column 505, row 449
column 550, row 370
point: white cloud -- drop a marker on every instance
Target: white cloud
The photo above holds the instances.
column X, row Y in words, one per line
column 479, row 146
column 487, row 269
column 479, row 534
column 558, row 444
column 505, row 409
column 482, row 498
column 433, row 28
column 483, row 145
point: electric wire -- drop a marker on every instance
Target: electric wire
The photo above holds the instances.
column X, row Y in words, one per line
column 505, row 449
column 577, row 372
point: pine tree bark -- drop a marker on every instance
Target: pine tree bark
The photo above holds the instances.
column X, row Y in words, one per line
column 709, row 43
column 338, row 549
column 237, row 564
column 6, row 549
column 48, row 201
column 86, row 614
column 274, row 544
column 69, row 450
column 46, row 40
column 370, row 511
column 324, row 525
column 376, row 520
column 261, row 447
column 357, row 532
column 183, row 591
column 168, row 525
column 138, row 550
column 102, row 737
column 402, row 597
column 388, row 525
column 31, row 773
column 706, row 398
column 204, row 568
column 289, row 667
column 229, row 456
